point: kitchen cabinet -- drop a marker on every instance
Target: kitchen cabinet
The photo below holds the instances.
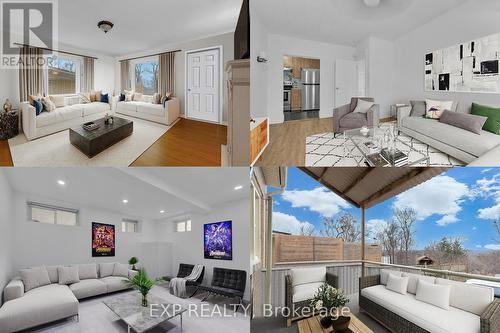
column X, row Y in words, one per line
column 288, row 62
column 259, row 138
column 296, row 99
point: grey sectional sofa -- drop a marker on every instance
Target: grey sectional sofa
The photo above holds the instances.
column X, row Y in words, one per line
column 22, row 310
column 463, row 145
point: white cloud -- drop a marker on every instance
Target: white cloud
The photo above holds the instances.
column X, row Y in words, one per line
column 373, row 227
column 288, row 223
column 487, row 188
column 486, row 170
column 319, row 200
column 495, row 247
column 442, row 196
column 479, row 246
column 490, row 213
column 474, row 228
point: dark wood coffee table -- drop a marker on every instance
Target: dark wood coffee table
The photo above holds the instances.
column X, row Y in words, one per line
column 94, row 142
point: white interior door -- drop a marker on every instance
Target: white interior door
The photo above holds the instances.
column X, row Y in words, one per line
column 203, row 85
column 346, row 81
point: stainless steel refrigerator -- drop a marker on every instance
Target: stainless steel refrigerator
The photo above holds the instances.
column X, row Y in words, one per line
column 310, row 89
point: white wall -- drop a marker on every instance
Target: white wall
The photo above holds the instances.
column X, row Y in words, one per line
column 226, row 40
column 280, row 46
column 188, row 247
column 5, row 232
column 472, row 20
column 258, row 71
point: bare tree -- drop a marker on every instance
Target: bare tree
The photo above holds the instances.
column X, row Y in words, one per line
column 139, row 71
column 390, row 238
column 307, row 230
column 496, row 225
column 406, row 218
column 345, row 227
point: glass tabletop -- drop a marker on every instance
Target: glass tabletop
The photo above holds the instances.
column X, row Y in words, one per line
column 372, row 141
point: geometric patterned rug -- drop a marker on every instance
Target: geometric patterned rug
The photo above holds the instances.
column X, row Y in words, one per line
column 324, row 150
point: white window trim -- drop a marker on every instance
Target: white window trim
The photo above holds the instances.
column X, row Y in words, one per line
column 137, row 226
column 78, row 74
column 185, row 222
column 135, row 62
column 32, row 204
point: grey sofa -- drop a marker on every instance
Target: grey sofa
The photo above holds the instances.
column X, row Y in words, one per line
column 345, row 119
column 459, row 143
column 23, row 310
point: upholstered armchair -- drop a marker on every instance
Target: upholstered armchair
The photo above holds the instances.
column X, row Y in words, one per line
column 344, row 117
column 301, row 286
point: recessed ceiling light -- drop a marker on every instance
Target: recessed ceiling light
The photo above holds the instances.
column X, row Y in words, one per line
column 239, row 187
column 162, row 211
column 125, row 201
column 61, row 182
column 372, row 3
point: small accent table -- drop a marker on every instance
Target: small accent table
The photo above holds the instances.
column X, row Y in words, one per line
column 9, row 124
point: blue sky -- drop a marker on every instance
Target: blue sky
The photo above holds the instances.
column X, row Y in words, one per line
column 459, row 203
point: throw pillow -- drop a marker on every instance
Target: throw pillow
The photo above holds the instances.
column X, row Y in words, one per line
column 493, row 114
column 104, row 98
column 95, row 96
column 68, row 275
column 87, row 271
column 122, row 98
column 397, row 284
column 437, row 295
column 137, row 97
column 156, row 98
column 53, row 274
column 384, row 275
column 468, row 297
column 434, row 109
column 417, row 108
column 465, row 121
column 363, row 106
column 106, row 269
column 164, row 100
column 413, row 281
column 48, row 105
column 120, row 270
column 85, row 97
column 38, row 105
column 169, row 95
column 59, row 101
column 34, row 278
column 32, row 98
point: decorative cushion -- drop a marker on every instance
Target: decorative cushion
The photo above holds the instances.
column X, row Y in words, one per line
column 434, row 109
column 465, row 121
column 470, row 298
column 128, row 95
column 493, row 114
column 169, row 95
column 413, row 281
column 363, row 106
column 122, row 98
column 53, row 274
column 106, row 269
column 120, row 270
column 48, row 105
column 34, row 278
column 59, row 101
column 37, row 103
column 68, row 275
column 397, row 284
column 417, row 108
column 32, row 98
column 87, row 271
column 308, row 275
column 354, row 120
column 437, row 295
column 384, row 274
column 104, row 98
column 156, row 98
column 137, row 97
column 85, row 97
column 95, row 96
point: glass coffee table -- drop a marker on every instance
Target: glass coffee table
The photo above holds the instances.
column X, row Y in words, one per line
column 376, row 135
column 129, row 309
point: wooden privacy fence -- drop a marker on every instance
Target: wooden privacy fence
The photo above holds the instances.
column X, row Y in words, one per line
column 287, row 248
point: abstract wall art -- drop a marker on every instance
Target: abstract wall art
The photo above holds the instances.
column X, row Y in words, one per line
column 103, row 240
column 218, row 240
column 467, row 67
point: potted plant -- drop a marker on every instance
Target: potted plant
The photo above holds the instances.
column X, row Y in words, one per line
column 326, row 299
column 143, row 284
column 132, row 261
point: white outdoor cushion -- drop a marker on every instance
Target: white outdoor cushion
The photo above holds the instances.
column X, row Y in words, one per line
column 363, row 106
column 115, row 283
column 58, row 116
column 68, row 275
column 304, row 292
column 88, row 288
column 87, row 271
column 426, row 316
column 413, row 280
column 53, row 274
column 106, row 269
column 397, row 284
column 468, row 297
column 120, row 270
column 384, row 274
column 152, row 109
column 438, row 295
column 308, row 275
column 34, row 277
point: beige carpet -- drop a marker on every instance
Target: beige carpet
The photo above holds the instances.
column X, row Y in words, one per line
column 56, row 151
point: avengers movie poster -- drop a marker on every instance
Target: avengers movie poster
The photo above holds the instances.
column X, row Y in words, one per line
column 218, row 239
column 103, row 240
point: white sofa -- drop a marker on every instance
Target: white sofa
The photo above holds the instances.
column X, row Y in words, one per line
column 22, row 310
column 60, row 119
column 467, row 305
column 145, row 109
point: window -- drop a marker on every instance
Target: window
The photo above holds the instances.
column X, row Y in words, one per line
column 63, row 76
column 130, row 226
column 42, row 213
column 146, row 76
column 183, row 226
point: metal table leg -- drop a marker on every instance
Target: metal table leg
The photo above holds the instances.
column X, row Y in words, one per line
column 128, row 328
column 181, row 321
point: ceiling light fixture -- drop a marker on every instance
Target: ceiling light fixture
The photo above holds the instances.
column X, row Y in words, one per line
column 162, row 212
column 372, row 3
column 125, row 201
column 105, row 26
column 239, row 187
column 61, row 182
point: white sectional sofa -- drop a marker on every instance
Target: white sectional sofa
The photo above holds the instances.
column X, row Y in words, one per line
column 22, row 310
column 147, row 110
column 61, row 118
column 472, row 309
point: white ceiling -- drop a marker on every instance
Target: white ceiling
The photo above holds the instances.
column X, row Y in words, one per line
column 142, row 25
column 178, row 191
column 347, row 22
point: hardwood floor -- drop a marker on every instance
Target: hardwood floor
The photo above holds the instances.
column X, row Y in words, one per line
column 5, row 157
column 188, row 143
column 287, row 146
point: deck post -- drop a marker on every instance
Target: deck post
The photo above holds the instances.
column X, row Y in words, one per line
column 363, row 241
column 269, row 250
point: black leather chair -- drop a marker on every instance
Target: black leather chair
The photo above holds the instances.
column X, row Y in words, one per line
column 229, row 283
column 185, row 270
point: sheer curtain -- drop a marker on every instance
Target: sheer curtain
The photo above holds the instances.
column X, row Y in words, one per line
column 88, row 75
column 31, row 73
column 166, row 80
column 125, row 75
